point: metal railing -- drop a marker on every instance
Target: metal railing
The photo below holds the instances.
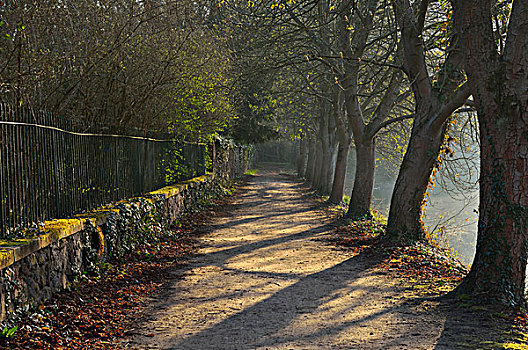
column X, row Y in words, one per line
column 52, row 167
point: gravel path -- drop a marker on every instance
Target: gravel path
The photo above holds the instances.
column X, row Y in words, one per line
column 264, row 278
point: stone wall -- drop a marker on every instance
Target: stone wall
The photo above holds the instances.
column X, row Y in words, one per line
column 232, row 161
column 33, row 269
column 35, row 277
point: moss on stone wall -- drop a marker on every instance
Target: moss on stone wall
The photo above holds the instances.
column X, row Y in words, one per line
column 31, row 269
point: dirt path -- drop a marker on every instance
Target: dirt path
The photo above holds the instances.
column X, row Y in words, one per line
column 265, row 279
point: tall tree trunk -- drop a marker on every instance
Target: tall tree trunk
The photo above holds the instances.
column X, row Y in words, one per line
column 434, row 103
column 318, row 166
column 324, row 154
column 338, row 185
column 364, row 179
column 302, row 158
column 405, row 224
column 364, row 133
column 325, row 162
column 332, row 154
column 344, row 140
column 312, row 156
column 498, row 82
column 499, row 269
column 329, row 166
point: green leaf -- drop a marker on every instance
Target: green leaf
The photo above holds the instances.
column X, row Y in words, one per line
column 11, row 331
column 8, row 332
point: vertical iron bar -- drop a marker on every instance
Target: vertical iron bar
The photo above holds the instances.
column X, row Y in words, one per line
column 2, row 173
column 16, row 166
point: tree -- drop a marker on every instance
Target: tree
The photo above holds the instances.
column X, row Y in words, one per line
column 356, row 52
column 274, row 56
column 121, row 64
column 436, row 97
column 497, row 69
column 364, row 122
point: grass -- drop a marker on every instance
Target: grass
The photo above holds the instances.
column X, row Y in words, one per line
column 251, row 172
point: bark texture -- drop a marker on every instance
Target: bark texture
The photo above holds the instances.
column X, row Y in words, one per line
column 405, row 223
column 321, row 180
column 338, row 185
column 345, row 139
column 364, row 179
column 358, row 123
column 434, row 103
column 301, row 160
column 310, row 164
column 499, row 82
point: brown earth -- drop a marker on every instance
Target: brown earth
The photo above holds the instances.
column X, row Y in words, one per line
column 266, row 277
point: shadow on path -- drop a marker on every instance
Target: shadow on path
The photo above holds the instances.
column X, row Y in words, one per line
column 264, row 279
column 245, row 331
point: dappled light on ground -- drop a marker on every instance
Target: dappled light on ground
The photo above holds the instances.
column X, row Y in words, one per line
column 266, row 278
